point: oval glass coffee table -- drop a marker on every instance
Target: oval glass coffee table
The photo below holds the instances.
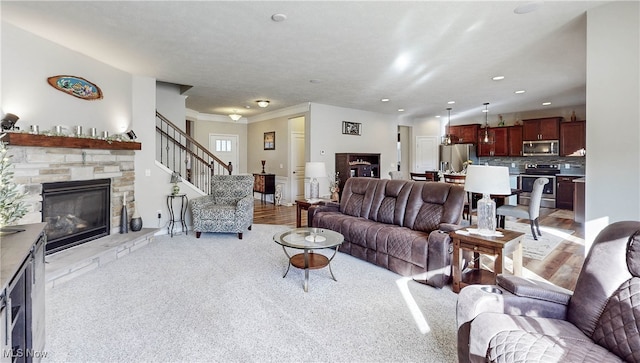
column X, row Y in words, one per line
column 309, row 239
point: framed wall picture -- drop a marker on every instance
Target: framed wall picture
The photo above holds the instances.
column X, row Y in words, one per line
column 350, row 128
column 270, row 140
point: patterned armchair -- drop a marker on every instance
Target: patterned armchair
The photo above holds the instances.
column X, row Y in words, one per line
column 229, row 207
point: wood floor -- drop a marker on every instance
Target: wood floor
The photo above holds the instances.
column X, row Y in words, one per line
column 561, row 267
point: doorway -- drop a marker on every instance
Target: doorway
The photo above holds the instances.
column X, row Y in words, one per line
column 225, row 147
column 296, row 158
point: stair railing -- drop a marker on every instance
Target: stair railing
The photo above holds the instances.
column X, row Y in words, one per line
column 183, row 154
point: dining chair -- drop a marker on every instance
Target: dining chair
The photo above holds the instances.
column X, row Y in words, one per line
column 530, row 212
column 459, row 179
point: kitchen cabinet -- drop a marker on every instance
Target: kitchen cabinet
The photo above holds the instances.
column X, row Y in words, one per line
column 464, row 134
column 578, row 200
column 565, row 192
column 573, row 137
column 541, row 129
column 22, row 294
column 356, row 165
column 515, row 140
column 499, row 145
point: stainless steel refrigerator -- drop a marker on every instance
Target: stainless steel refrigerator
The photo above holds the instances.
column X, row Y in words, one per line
column 452, row 156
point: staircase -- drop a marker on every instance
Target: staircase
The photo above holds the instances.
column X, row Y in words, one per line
column 183, row 154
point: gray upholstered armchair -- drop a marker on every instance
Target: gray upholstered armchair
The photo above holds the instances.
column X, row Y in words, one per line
column 229, row 207
column 530, row 321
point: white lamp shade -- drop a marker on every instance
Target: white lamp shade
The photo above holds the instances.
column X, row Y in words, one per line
column 315, row 169
column 487, row 180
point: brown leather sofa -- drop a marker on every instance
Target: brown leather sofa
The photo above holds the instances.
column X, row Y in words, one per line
column 530, row 321
column 397, row 224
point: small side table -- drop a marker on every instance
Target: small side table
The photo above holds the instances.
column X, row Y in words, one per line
column 510, row 242
column 303, row 204
column 184, row 201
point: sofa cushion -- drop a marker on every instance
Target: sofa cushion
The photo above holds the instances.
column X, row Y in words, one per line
column 390, row 201
column 431, row 204
column 617, row 328
column 508, row 338
column 357, row 196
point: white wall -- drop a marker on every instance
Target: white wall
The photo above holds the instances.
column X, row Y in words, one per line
column 613, row 115
column 325, row 138
column 27, row 62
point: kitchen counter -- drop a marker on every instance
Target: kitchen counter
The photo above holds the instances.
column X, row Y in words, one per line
column 15, row 249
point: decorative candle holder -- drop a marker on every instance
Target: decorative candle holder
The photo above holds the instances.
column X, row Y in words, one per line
column 263, row 162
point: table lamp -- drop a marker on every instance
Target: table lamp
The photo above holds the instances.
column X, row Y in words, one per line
column 314, row 170
column 487, row 180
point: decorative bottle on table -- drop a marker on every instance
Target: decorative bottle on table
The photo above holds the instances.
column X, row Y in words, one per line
column 124, row 219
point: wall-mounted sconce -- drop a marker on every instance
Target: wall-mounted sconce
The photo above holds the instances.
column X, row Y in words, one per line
column 131, row 135
column 8, row 121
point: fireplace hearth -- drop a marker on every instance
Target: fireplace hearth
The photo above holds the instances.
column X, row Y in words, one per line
column 75, row 212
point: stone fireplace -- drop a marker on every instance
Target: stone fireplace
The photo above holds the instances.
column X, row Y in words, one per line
column 75, row 212
column 70, row 159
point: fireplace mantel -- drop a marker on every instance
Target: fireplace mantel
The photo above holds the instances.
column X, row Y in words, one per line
column 24, row 139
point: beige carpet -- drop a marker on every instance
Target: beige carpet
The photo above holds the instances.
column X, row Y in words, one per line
column 540, row 249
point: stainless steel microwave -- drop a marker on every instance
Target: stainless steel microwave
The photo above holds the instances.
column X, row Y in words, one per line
column 540, row 148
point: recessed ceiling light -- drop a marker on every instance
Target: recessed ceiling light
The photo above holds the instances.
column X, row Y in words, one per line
column 278, row 17
column 451, row 102
column 498, row 78
column 437, row 116
column 401, row 110
column 384, row 100
column 528, row 7
column 519, row 91
column 262, row 103
column 546, row 103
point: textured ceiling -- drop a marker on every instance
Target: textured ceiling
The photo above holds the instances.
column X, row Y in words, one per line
column 419, row 54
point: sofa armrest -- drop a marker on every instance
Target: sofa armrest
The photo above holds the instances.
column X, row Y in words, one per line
column 534, row 289
column 476, row 299
column 449, row 227
column 439, row 249
column 329, row 207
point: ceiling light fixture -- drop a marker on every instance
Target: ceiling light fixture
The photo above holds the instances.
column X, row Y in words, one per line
column 384, row 100
column 451, row 102
column 235, row 117
column 486, row 139
column 546, row 103
column 447, row 137
column 278, row 18
column 401, row 110
column 519, row 92
column 498, row 78
column 263, row 103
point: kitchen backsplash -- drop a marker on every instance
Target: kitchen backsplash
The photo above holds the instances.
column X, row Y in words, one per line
column 516, row 165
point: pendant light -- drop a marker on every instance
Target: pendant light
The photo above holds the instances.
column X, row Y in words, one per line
column 486, row 139
column 447, row 137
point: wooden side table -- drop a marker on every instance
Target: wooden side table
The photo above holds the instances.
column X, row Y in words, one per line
column 509, row 243
column 303, row 204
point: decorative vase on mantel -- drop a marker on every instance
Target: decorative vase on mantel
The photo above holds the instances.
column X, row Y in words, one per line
column 136, row 220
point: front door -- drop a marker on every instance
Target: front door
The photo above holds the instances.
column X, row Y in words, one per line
column 225, row 148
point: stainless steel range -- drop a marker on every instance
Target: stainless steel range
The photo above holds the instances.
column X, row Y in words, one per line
column 533, row 172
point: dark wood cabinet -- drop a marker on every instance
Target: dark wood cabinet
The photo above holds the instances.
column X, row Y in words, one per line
column 515, row 140
column 564, row 192
column 573, row 137
column 357, row 165
column 264, row 184
column 464, row 134
column 499, row 142
column 541, row 129
column 22, row 294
